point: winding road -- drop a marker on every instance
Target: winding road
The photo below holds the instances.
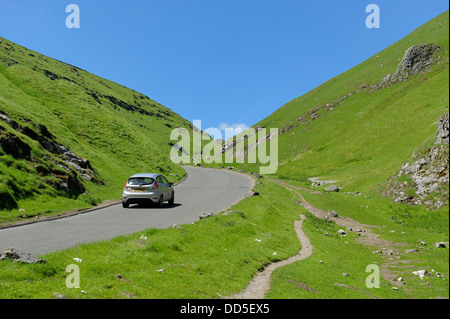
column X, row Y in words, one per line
column 205, row 190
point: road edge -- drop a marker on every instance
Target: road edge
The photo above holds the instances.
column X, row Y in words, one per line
column 39, row 219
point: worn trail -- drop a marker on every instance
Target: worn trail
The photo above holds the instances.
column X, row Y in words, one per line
column 259, row 286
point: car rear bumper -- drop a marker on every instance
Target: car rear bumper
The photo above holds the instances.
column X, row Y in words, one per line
column 140, row 197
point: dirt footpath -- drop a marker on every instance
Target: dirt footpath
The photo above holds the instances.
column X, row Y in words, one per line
column 259, row 285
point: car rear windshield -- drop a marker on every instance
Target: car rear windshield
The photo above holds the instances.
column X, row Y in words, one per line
column 140, row 181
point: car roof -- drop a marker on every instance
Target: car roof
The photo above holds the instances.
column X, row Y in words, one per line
column 151, row 175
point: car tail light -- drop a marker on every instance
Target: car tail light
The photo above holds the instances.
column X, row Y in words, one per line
column 155, row 185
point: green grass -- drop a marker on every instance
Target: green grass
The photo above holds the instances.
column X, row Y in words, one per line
column 398, row 223
column 218, row 256
column 360, row 143
column 360, row 147
column 370, row 135
column 213, row 257
column 323, row 272
column 120, row 131
column 321, row 275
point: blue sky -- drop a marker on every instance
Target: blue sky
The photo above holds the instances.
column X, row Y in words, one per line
column 224, row 62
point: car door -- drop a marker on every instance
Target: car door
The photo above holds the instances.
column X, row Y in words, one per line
column 168, row 188
column 162, row 186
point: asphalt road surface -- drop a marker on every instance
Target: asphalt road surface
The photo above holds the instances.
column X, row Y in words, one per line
column 205, row 190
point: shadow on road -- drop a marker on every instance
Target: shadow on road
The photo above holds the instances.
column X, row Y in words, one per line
column 147, row 206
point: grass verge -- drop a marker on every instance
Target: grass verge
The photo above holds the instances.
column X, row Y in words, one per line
column 321, row 275
column 218, row 256
column 210, row 258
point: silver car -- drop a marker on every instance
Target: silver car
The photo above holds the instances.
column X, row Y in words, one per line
column 147, row 188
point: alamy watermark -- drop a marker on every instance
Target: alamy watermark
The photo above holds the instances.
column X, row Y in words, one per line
column 73, row 19
column 249, row 146
column 73, row 279
column 373, row 280
column 373, row 19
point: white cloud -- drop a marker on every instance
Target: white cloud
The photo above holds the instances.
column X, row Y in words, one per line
column 238, row 128
column 233, row 129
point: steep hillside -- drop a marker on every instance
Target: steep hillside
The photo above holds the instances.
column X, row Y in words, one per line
column 424, row 179
column 361, row 127
column 69, row 139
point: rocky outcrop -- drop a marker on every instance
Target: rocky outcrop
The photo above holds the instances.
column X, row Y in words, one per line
column 442, row 131
column 417, row 59
column 9, row 62
column 63, row 176
column 52, row 76
column 159, row 113
column 13, row 145
column 332, row 188
column 81, row 165
column 315, row 181
column 425, row 179
column 20, row 256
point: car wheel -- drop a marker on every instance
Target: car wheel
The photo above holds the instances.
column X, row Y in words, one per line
column 125, row 205
column 161, row 201
column 172, row 199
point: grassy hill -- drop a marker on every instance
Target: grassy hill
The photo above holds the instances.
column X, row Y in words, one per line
column 70, row 139
column 360, row 127
column 376, row 132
